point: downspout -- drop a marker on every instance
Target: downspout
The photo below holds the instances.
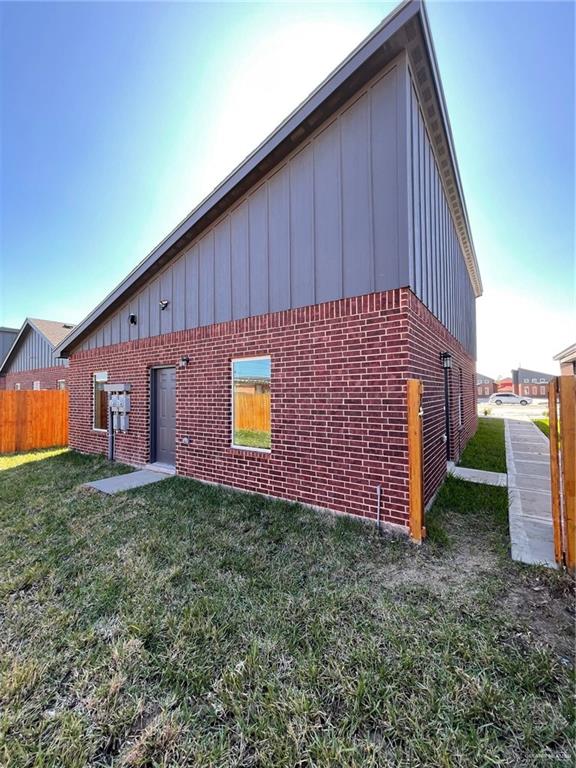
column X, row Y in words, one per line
column 378, row 505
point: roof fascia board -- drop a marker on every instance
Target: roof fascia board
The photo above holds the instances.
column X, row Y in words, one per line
column 571, row 350
column 389, row 26
column 425, row 24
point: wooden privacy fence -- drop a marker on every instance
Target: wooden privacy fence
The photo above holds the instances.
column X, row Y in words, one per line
column 252, row 411
column 33, row 419
column 415, row 460
column 562, row 411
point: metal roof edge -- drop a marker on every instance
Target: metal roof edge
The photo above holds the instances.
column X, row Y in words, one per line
column 571, row 349
column 450, row 138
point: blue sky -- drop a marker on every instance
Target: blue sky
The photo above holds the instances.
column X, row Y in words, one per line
column 118, row 118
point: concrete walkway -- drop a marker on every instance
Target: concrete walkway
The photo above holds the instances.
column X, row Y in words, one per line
column 530, row 511
column 482, row 476
column 120, row 483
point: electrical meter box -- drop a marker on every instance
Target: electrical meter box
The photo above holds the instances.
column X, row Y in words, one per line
column 119, row 405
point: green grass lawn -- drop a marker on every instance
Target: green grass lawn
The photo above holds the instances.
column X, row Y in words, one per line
column 251, row 438
column 543, row 425
column 486, row 450
column 187, row 625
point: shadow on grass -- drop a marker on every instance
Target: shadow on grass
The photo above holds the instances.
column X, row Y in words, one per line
column 483, row 509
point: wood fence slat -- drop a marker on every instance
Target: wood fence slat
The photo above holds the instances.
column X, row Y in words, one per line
column 555, row 471
column 568, row 452
column 252, row 411
column 415, row 461
column 33, row 419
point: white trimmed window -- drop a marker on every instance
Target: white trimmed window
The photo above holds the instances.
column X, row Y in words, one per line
column 61, row 384
column 251, row 404
column 36, row 385
column 100, row 409
column 18, row 387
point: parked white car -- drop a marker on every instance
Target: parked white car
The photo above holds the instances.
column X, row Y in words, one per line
column 508, row 398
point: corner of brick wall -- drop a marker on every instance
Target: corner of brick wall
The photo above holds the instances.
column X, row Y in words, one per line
column 428, row 339
column 339, row 374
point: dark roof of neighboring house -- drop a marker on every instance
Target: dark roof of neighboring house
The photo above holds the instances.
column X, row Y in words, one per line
column 482, row 376
column 54, row 332
column 567, row 355
column 10, row 330
column 529, row 372
column 406, row 28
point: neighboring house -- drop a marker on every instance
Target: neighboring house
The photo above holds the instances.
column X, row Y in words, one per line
column 334, row 264
column 485, row 386
column 567, row 360
column 532, row 383
column 7, row 336
column 30, row 361
column 504, row 385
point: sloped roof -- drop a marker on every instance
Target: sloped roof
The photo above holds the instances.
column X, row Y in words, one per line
column 53, row 331
column 406, row 28
column 567, row 355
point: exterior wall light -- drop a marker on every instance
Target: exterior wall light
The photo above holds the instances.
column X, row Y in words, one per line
column 164, row 303
column 446, row 359
column 132, row 319
column 184, row 360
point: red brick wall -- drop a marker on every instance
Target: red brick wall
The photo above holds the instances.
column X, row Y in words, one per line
column 428, row 339
column 339, row 374
column 490, row 389
column 48, row 378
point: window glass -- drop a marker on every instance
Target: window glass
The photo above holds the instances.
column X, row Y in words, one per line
column 36, row 385
column 61, row 384
column 17, row 387
column 251, row 426
column 100, row 401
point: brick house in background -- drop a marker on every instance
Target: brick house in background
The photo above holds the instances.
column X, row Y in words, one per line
column 335, row 263
column 30, row 361
column 504, row 385
column 567, row 360
column 531, row 383
column 485, row 386
column 7, row 337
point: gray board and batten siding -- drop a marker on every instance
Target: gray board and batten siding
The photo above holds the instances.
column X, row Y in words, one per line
column 331, row 221
column 7, row 338
column 438, row 272
column 33, row 352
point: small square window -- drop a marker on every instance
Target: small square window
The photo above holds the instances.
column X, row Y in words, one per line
column 61, row 384
column 36, row 385
column 251, row 403
column 18, row 387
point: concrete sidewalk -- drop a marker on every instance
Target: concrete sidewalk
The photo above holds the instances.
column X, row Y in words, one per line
column 482, row 476
column 530, row 503
column 119, row 483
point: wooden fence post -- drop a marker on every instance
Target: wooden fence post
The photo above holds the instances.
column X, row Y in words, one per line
column 568, row 452
column 415, row 462
column 555, row 471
